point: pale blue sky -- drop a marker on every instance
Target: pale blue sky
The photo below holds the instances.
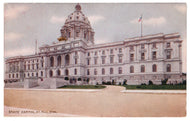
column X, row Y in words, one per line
column 24, row 23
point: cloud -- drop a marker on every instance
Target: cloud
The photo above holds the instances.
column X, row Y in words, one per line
column 56, row 19
column 181, row 8
column 11, row 36
column 18, row 52
column 12, row 12
column 96, row 18
column 151, row 21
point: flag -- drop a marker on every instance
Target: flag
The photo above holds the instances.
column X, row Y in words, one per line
column 140, row 19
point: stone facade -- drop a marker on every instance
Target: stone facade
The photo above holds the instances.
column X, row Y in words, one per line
column 75, row 57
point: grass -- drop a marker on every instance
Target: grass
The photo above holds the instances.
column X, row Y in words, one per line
column 82, row 87
column 157, row 87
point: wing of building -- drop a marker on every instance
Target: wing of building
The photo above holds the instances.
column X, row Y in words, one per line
column 75, row 57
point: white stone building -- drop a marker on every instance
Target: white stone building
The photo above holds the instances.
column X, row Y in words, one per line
column 135, row 60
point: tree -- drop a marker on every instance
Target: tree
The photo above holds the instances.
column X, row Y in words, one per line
column 150, row 82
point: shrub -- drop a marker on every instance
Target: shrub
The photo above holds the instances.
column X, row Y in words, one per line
column 150, row 82
column 164, row 82
column 66, row 78
column 109, row 83
column 138, row 86
column 79, row 79
column 184, row 82
column 143, row 84
column 125, row 82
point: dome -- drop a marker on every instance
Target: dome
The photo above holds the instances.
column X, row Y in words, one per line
column 77, row 15
column 77, row 26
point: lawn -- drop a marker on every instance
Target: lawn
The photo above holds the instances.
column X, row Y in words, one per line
column 82, row 87
column 157, row 87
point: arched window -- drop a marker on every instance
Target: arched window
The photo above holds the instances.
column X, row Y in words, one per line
column 51, row 61
column 120, row 70
column 59, row 61
column 75, row 71
column 131, row 69
column 168, row 67
column 36, row 74
column 67, row 59
column 32, row 74
column 142, row 68
column 41, row 73
column 154, row 68
column 111, row 70
column 58, row 72
column 103, row 71
column 66, row 72
column 50, row 73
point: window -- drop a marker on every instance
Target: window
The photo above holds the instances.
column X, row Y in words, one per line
column 9, row 75
column 42, row 64
column 32, row 66
column 88, row 72
column 75, row 60
column 103, row 60
column 77, row 17
column 50, row 73
column 69, row 34
column 84, row 35
column 131, row 48
column 88, row 61
column 154, row 68
column 59, row 60
column 16, row 75
column 168, row 67
column 24, row 75
column 154, row 45
column 103, row 71
column 77, row 34
column 28, row 74
column 28, row 67
column 120, row 70
column 95, row 61
column 142, row 68
column 168, row 54
column 131, row 57
column 36, row 66
column 111, row 51
column 88, row 54
column 32, row 74
column 51, row 61
column 95, row 72
column 67, row 59
column 142, row 56
column 95, row 53
column 76, row 53
column 103, row 52
column 120, row 59
column 111, row 59
column 58, row 72
column 168, row 44
column 75, row 71
column 24, row 67
column 142, row 46
column 131, row 69
column 154, row 55
column 41, row 73
column 37, row 74
column 111, row 70
column 66, row 72
column 120, row 50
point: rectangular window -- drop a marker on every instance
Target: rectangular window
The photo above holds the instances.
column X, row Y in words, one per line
column 88, row 61
column 120, row 59
column 142, row 46
column 154, row 55
column 168, row 44
column 95, row 61
column 142, row 56
column 103, row 52
column 154, row 45
column 111, row 51
column 95, row 53
column 131, row 57
column 111, row 59
column 75, row 60
column 103, row 60
column 120, row 50
column 168, row 55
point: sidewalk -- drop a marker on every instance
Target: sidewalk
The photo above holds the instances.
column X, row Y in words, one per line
column 156, row 91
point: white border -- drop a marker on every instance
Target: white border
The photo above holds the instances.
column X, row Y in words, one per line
column 83, row 1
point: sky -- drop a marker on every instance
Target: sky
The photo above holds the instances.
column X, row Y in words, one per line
column 26, row 23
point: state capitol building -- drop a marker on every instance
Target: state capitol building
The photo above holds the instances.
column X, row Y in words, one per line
column 75, row 58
